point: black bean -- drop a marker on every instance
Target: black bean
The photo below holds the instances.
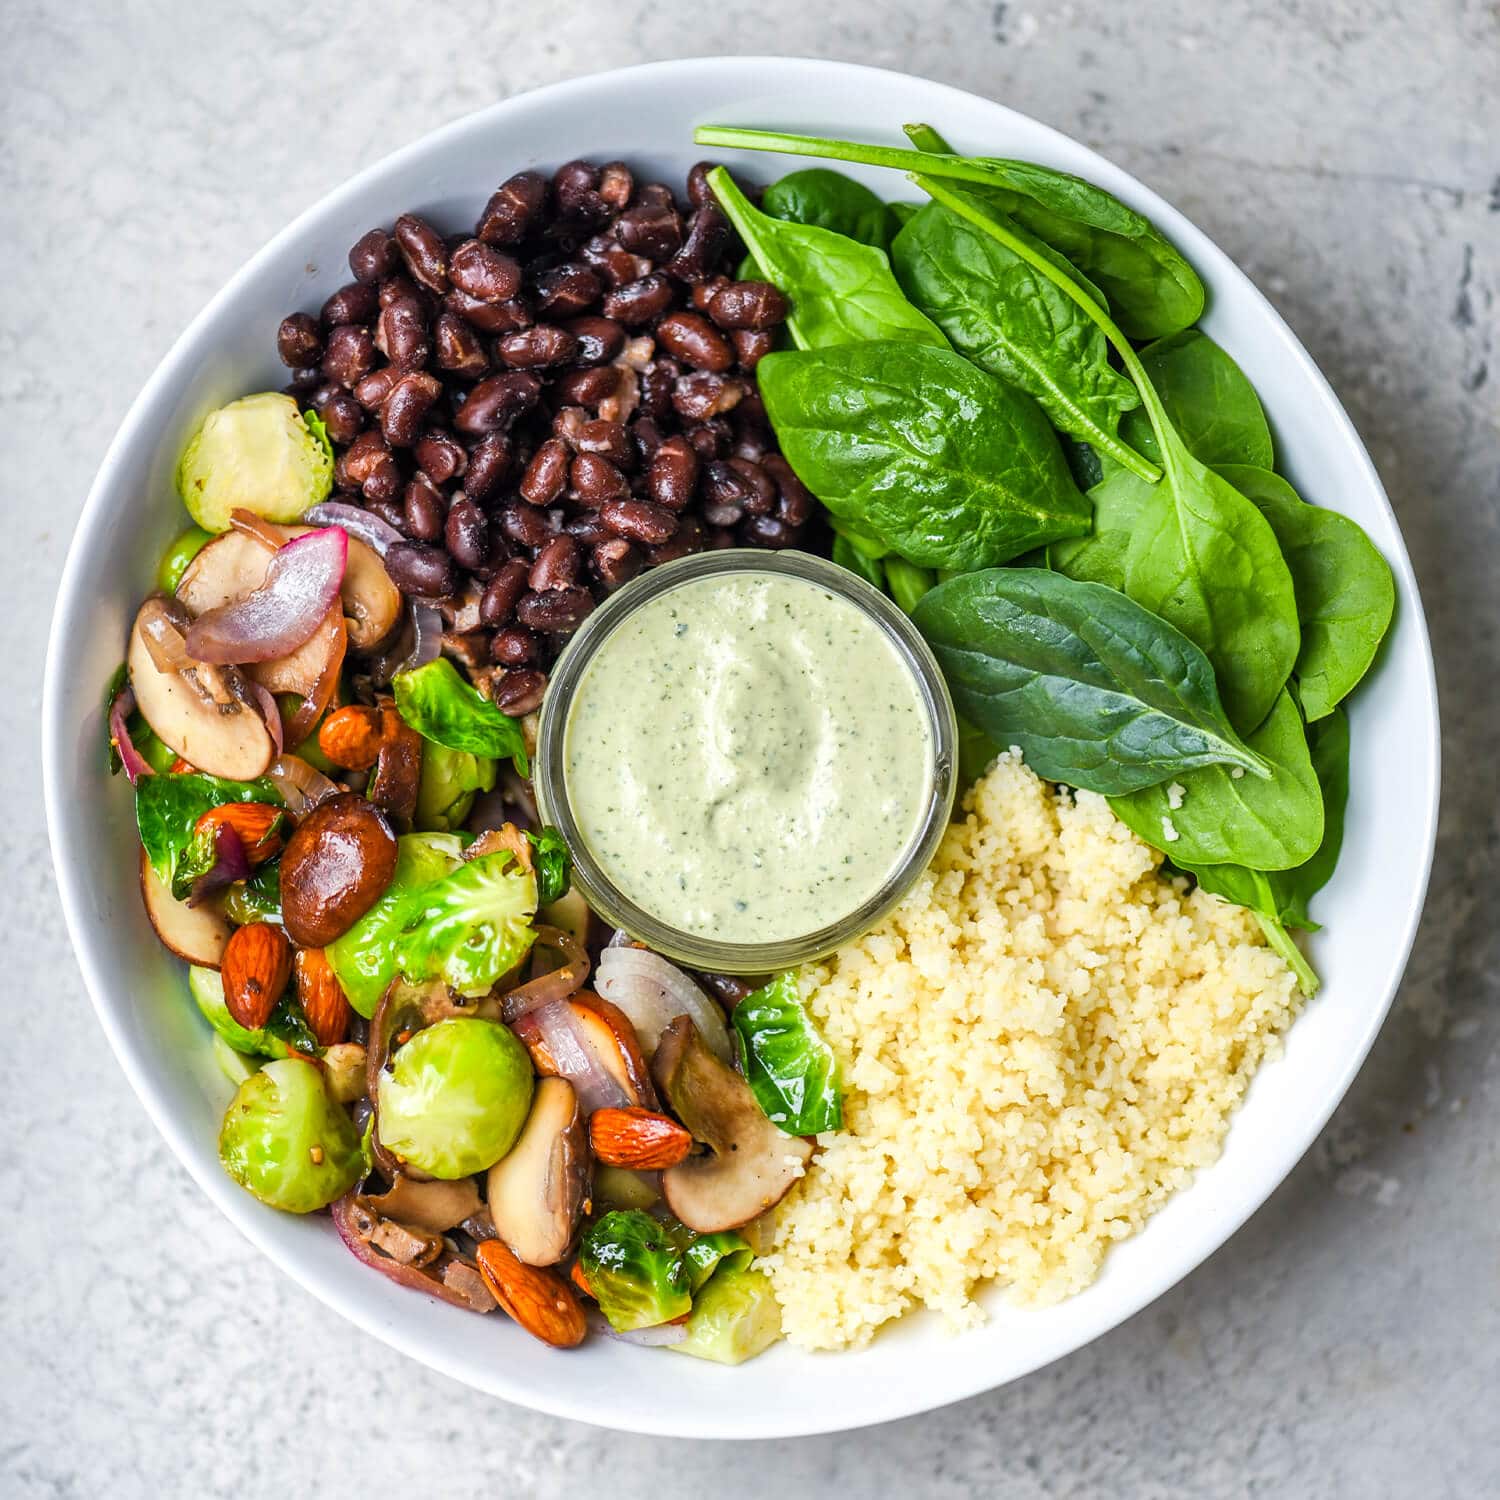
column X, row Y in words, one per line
column 575, row 186
column 698, row 190
column 542, row 347
column 440, row 456
column 589, row 386
column 556, row 565
column 646, row 436
column 401, row 334
column 420, row 569
column 608, row 439
column 639, row 520
column 654, row 230
column 488, row 463
column 355, row 303
column 423, row 510
column 588, row 528
column 707, row 240
column 565, row 291
column 705, row 292
column 638, row 302
column 767, row 531
column 349, row 354
column 753, row 305
column 458, row 348
column 690, row 538
column 614, row 562
column 795, row 502
column 546, row 475
column 599, row 339
column 393, row 288
column 527, row 525
column 520, row 692
column 655, row 195
column 751, row 347
column 704, row 394
column 343, row 416
column 406, row 407
column 690, row 337
column 424, row 252
column 373, row 256
column 498, row 602
column 488, row 317
column 657, row 383
column 513, row 209
column 299, row 344
column 372, row 391
column 723, row 512
column 392, row 512
column 614, row 263
column 496, row 402
column 595, row 480
column 760, row 489
column 513, row 646
column 484, row 273
column 467, row 534
column 673, row 475
column 559, row 610
column 616, row 184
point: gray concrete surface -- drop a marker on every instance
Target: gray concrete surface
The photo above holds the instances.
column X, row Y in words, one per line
column 1347, row 1342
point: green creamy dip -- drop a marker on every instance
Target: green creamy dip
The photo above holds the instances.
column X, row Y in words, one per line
column 748, row 757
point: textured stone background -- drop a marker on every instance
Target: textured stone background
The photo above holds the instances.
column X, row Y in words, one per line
column 1343, row 1344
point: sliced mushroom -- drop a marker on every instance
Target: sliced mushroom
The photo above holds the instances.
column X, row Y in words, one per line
column 537, row 1190
column 398, row 767
column 753, row 1164
column 235, row 564
column 197, row 933
column 433, row 1207
column 200, row 712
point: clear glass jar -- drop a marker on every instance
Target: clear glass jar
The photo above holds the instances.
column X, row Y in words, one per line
column 602, row 893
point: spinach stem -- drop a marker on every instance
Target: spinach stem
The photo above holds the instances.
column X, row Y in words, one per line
column 1285, row 944
column 1122, row 453
column 926, row 138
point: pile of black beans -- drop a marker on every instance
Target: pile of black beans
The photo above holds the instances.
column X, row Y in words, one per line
column 550, row 405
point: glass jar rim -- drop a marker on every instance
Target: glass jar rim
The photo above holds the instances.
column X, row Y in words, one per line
column 604, row 895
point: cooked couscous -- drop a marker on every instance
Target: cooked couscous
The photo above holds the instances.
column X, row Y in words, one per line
column 1042, row 1044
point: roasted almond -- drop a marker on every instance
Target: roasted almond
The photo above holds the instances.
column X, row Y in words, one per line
column 351, row 737
column 538, row 1299
column 256, row 966
column 258, row 825
column 322, row 997
column 639, row 1139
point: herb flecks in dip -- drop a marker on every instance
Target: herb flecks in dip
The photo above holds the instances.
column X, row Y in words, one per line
column 748, row 757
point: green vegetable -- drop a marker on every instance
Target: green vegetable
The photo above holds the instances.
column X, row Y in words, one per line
column 862, row 541
column 976, row 752
column 1264, row 824
column 791, row 1070
column 841, row 291
column 939, row 460
column 907, row 582
column 1280, row 898
column 319, row 429
column 257, row 454
column 450, row 781
column 455, row 1097
column 1096, row 691
column 1000, row 312
column 207, row 990
column 202, row 854
column 847, row 555
column 175, row 559
column 705, row 1254
column 830, row 200
column 167, row 809
column 287, row 1024
column 443, row 708
column 235, row 1066
column 635, row 1270
column 902, row 213
column 1344, row 589
column 1151, row 288
column 552, row 863
column 257, row 899
column 617, row 1187
column 285, row 1140
column 734, row 1318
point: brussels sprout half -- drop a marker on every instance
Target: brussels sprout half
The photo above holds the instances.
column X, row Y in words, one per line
column 450, row 781
column 734, row 1318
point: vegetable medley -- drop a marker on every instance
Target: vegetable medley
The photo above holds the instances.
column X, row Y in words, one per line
column 1012, row 426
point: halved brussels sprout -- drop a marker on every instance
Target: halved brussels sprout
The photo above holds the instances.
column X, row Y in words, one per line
column 455, row 1097
column 207, row 989
column 734, row 1318
column 235, row 1066
column 286, row 1142
column 450, row 781
column 257, row 454
column 175, row 559
column 635, row 1270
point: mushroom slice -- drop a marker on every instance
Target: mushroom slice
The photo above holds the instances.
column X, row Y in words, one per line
column 197, row 933
column 200, row 712
column 433, row 1207
column 608, row 1064
column 753, row 1164
column 538, row 1188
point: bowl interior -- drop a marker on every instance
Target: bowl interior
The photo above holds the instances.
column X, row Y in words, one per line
column 646, row 115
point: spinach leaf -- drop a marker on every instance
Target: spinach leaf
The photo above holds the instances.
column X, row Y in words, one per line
column 791, row 1070
column 1096, row 692
column 1212, row 817
column 1212, row 405
column 830, row 200
column 976, row 752
column 1152, row 290
column 443, row 708
column 907, row 582
column 552, row 864
column 841, row 291
column 1344, row 589
column 167, row 809
column 1000, row 312
column 942, row 462
column 847, row 555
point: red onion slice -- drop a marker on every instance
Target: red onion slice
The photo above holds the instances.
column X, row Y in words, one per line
column 653, row 993
column 661, row 1336
column 429, row 637
column 346, row 1214
column 573, row 1057
column 271, row 713
column 301, row 786
column 231, row 863
column 556, row 984
column 301, row 585
column 370, row 529
column 134, row 764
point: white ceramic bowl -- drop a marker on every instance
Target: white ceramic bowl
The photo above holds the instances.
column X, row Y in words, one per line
column 647, row 115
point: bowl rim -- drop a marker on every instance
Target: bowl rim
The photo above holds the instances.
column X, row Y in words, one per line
column 73, row 605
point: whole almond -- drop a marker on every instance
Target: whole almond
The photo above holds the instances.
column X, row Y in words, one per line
column 322, row 997
column 258, row 825
column 256, row 966
column 351, row 737
column 639, row 1139
column 538, row 1299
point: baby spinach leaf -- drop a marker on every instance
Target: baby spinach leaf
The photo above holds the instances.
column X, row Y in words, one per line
column 167, row 809
column 1096, row 692
column 1212, row 405
column 1000, row 312
column 942, row 462
column 1212, row 817
column 552, row 863
column 1152, row 290
column 976, row 752
column 791, row 1070
column 847, row 555
column 830, row 200
column 841, row 291
column 1344, row 589
column 443, row 708
column 906, row 582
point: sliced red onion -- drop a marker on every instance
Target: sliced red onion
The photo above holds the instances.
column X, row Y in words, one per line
column 301, row 585
column 653, row 993
column 556, row 1027
column 134, row 764
column 428, row 624
column 270, row 536
column 231, row 863
column 301, row 786
column 661, row 1336
column 270, row 711
column 347, row 1213
column 370, row 529
column 555, row 984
